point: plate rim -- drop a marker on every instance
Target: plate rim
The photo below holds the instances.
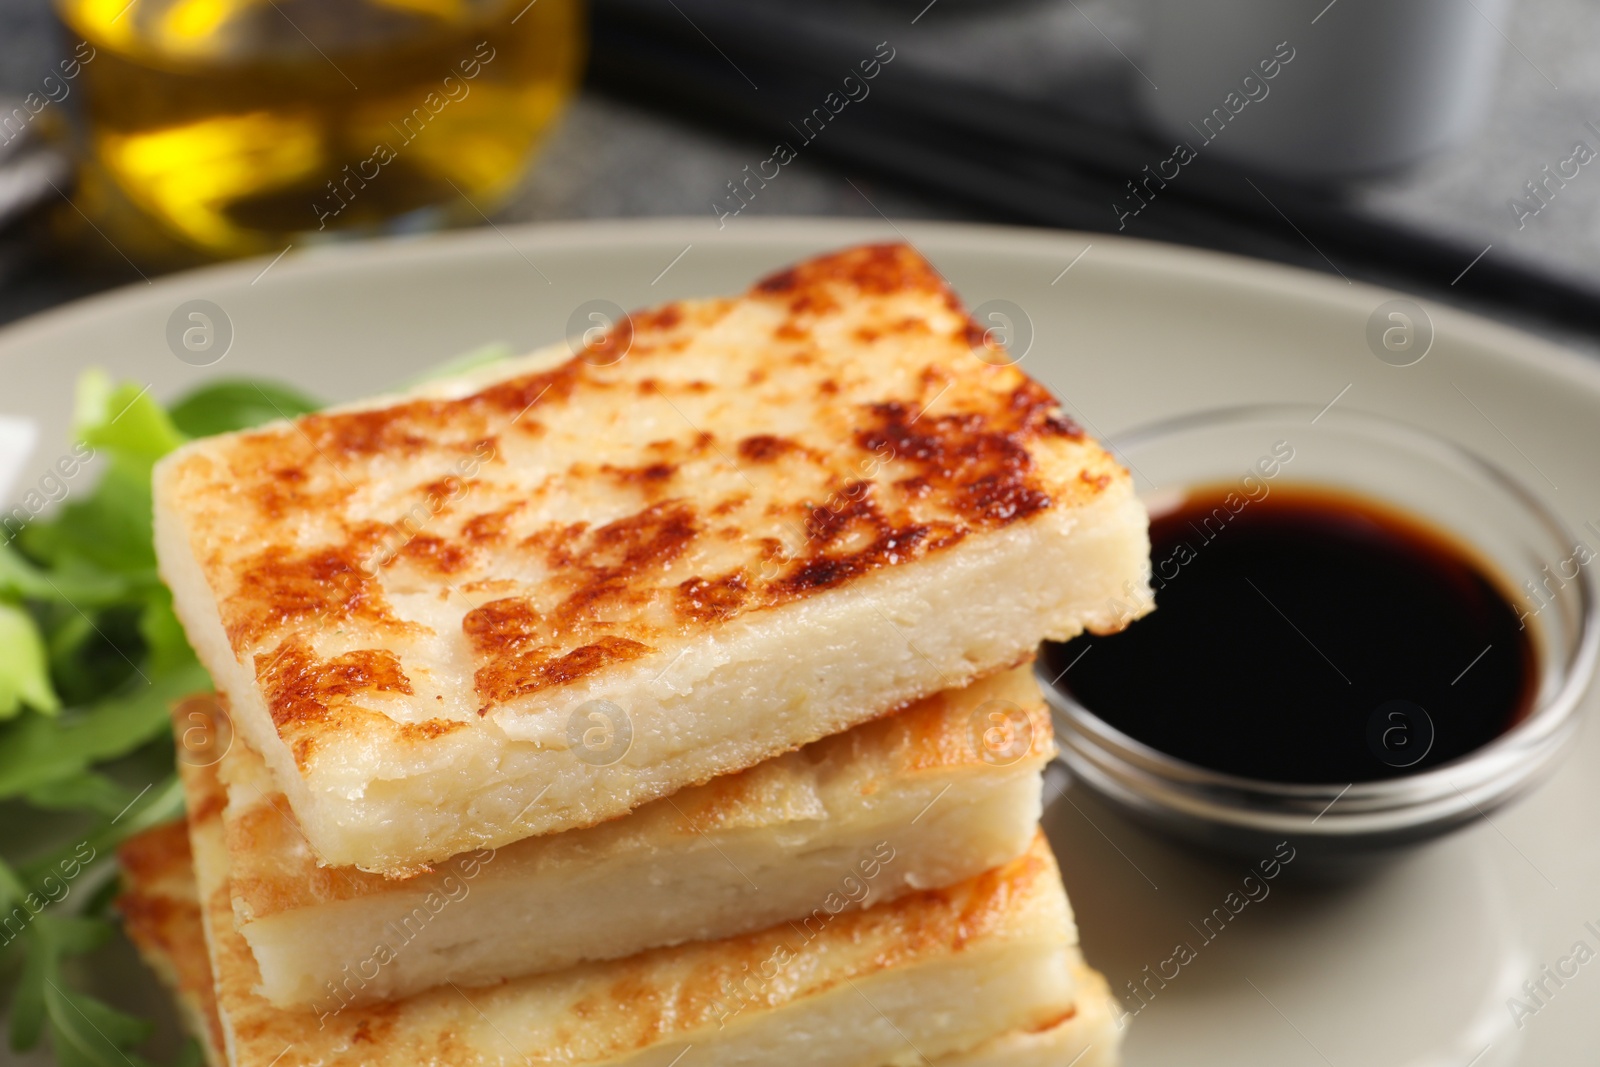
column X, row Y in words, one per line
column 1501, row 339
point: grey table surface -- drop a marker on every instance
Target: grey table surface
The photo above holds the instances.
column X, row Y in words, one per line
column 608, row 158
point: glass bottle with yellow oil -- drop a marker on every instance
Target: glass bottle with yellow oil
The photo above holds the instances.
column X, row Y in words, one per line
column 221, row 128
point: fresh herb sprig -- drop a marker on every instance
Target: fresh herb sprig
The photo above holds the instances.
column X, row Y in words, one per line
column 91, row 660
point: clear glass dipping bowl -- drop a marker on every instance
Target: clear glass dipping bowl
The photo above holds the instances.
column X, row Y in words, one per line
column 1488, row 512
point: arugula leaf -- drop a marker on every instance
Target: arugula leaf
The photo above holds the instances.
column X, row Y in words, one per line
column 85, row 791
column 112, row 528
column 48, row 938
column 35, row 750
column 90, row 656
column 84, row 1032
column 156, row 804
column 72, row 581
column 27, row 1006
column 12, row 888
column 164, row 639
column 24, row 677
column 87, row 1033
column 102, row 897
column 91, row 659
column 123, row 419
column 237, row 404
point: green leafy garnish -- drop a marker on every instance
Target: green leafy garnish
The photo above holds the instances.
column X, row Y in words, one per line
column 24, row 674
column 235, row 405
column 91, row 660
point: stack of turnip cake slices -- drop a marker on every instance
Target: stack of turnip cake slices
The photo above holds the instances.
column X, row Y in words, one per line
column 667, row 701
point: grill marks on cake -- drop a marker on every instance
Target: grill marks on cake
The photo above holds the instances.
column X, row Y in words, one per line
column 975, row 465
column 845, row 537
column 490, row 527
column 820, row 287
column 516, row 648
column 855, row 505
column 650, row 479
column 713, row 599
column 387, row 431
column 305, row 694
column 617, row 565
column 161, row 913
column 890, row 469
column 520, row 396
column 411, row 427
column 502, row 627
column 437, row 554
column 658, row 320
column 286, row 489
column 766, row 447
column 979, row 463
column 1033, row 411
column 615, row 568
column 280, row 590
column 824, row 570
column 301, row 688
column 873, row 270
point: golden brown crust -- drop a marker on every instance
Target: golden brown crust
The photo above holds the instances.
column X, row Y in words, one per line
column 274, row 870
column 597, row 1012
column 302, row 688
column 161, row 916
column 164, row 917
column 889, row 441
column 179, row 958
column 881, row 270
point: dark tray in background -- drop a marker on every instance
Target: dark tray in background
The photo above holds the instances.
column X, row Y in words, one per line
column 1013, row 158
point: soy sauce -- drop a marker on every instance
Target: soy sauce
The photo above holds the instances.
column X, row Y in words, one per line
column 1307, row 636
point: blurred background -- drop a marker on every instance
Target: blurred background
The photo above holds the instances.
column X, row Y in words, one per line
column 1438, row 146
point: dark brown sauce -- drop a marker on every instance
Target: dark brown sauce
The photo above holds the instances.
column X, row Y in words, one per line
column 1307, row 636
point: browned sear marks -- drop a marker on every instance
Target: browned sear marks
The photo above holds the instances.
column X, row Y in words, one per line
column 279, row 588
column 521, row 650
column 710, row 599
column 837, row 424
column 658, row 320
column 513, row 665
column 302, row 689
column 765, row 447
column 437, row 555
column 650, row 478
column 873, row 270
column 614, row 563
column 489, row 527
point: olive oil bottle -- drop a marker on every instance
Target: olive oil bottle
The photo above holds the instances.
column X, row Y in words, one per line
column 221, row 128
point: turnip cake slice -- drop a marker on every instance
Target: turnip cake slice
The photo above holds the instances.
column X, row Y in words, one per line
column 162, row 915
column 919, row 799
column 533, row 599
column 933, row 974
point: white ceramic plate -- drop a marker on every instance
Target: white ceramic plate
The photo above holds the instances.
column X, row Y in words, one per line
column 1414, row 966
